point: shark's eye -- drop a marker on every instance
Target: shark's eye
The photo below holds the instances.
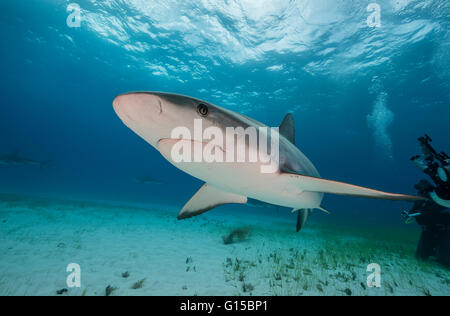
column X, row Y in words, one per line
column 202, row 109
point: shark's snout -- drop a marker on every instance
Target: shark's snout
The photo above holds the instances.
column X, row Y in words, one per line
column 116, row 103
column 143, row 112
column 124, row 108
column 135, row 107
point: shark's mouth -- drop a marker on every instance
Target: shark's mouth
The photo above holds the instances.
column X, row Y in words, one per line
column 189, row 150
column 173, row 141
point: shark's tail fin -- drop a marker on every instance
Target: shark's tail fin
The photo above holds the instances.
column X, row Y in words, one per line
column 313, row 184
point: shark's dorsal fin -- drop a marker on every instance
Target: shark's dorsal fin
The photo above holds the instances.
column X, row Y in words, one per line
column 287, row 128
column 207, row 198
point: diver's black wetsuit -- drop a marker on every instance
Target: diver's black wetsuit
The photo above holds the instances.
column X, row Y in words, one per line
column 435, row 222
column 431, row 216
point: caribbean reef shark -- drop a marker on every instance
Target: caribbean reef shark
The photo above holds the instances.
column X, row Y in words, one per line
column 14, row 158
column 295, row 183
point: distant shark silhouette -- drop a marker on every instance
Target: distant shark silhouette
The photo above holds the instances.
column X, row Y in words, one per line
column 296, row 184
column 14, row 158
column 147, row 180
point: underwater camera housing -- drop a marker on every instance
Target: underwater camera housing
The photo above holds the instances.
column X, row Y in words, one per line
column 436, row 165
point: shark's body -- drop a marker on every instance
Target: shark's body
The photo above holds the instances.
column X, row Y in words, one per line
column 295, row 184
column 259, row 204
column 14, row 158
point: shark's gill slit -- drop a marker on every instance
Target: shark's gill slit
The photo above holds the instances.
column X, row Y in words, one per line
column 160, row 107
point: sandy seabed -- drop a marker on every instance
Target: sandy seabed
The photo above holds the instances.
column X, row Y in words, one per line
column 146, row 251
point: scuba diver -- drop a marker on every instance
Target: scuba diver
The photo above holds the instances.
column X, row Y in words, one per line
column 433, row 214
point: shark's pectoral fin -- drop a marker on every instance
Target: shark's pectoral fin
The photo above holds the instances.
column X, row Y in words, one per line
column 312, row 184
column 302, row 217
column 207, row 198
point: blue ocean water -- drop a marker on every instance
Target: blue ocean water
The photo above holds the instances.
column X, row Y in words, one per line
column 360, row 95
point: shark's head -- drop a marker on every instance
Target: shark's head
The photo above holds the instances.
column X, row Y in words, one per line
column 154, row 115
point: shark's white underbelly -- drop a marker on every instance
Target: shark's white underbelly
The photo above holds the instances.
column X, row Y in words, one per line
column 246, row 179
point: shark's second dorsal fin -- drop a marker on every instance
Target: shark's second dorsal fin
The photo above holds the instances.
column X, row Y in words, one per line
column 207, row 198
column 303, row 214
column 287, row 128
column 302, row 217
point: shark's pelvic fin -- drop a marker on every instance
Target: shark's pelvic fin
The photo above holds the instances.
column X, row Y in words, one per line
column 207, row 198
column 287, row 128
column 319, row 208
column 324, row 210
column 312, row 184
column 302, row 216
